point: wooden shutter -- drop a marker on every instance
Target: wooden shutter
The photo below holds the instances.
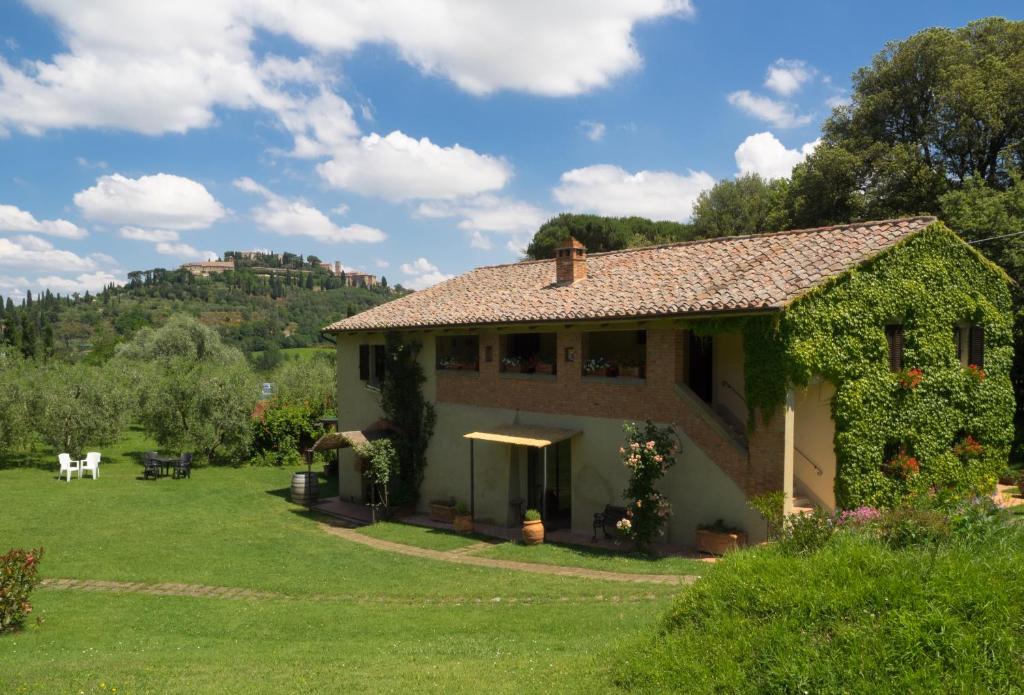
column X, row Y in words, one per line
column 380, row 363
column 894, row 337
column 364, row 362
column 976, row 350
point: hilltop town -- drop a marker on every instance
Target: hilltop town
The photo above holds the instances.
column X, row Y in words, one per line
column 269, row 263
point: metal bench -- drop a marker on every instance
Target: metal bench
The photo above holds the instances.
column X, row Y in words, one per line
column 608, row 518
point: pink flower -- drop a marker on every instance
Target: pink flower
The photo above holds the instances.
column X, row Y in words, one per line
column 639, row 503
column 634, row 445
column 622, row 450
column 658, row 457
column 650, row 445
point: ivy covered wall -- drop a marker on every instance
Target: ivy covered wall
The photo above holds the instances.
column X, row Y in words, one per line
column 929, row 283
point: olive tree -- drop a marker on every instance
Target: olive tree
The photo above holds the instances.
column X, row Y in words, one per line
column 195, row 394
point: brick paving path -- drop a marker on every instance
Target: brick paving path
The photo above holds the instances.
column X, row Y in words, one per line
column 461, row 557
column 228, row 592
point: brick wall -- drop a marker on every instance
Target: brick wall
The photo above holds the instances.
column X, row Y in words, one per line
column 758, row 468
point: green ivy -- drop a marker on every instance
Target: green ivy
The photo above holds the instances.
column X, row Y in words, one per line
column 929, row 282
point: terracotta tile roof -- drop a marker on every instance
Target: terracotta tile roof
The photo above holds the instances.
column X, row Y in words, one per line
column 743, row 273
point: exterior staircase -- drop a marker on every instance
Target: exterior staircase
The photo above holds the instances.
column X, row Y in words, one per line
column 802, row 505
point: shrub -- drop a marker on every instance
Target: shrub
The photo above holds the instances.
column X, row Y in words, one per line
column 283, row 432
column 381, row 467
column 19, row 575
column 648, row 453
column 908, row 526
column 531, row 515
column 771, row 506
column 805, row 533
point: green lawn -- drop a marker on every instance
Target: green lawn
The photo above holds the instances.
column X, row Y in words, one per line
column 430, row 538
column 379, row 622
column 590, row 558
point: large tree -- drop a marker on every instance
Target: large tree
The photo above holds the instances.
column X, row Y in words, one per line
column 746, row 205
column 603, row 233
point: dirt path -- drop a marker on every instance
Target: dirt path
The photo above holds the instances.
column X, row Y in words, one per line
column 461, row 557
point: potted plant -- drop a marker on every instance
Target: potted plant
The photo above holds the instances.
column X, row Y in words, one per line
column 512, row 364
column 443, row 510
column 629, row 369
column 717, row 538
column 533, row 528
column 541, row 367
column 463, row 520
column 596, row 366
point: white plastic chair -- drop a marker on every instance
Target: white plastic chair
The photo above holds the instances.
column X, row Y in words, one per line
column 68, row 465
column 91, row 464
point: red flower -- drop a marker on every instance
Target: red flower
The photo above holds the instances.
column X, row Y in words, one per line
column 976, row 371
column 910, row 378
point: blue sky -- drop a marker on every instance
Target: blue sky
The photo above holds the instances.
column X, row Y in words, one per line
column 412, row 139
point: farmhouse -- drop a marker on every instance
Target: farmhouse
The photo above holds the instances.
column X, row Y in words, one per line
column 844, row 365
column 206, row 268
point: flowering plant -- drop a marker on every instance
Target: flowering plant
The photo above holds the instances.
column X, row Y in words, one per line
column 594, row 364
column 977, row 372
column 861, row 516
column 910, row 378
column 19, row 575
column 903, row 465
column 968, row 448
column 648, row 453
column 511, row 362
column 624, row 526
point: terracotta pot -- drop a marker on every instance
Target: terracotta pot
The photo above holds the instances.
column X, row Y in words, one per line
column 463, row 523
column 717, row 543
column 442, row 512
column 533, row 532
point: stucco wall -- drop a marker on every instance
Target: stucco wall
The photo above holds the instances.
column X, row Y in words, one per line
column 814, row 436
column 700, row 490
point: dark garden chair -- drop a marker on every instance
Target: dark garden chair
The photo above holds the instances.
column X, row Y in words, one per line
column 183, row 468
column 150, row 465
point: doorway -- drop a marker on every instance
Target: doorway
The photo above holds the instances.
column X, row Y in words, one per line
column 701, row 366
column 558, row 496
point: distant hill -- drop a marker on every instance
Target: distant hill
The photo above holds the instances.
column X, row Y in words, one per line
column 266, row 302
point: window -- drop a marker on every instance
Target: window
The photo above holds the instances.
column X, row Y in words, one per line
column 458, row 352
column 528, row 353
column 698, row 370
column 894, row 337
column 372, row 364
column 615, row 354
column 970, row 344
column 976, row 346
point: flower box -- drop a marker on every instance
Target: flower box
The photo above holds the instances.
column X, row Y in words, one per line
column 443, row 512
column 463, row 523
column 719, row 542
column 544, row 368
column 599, row 371
column 630, row 372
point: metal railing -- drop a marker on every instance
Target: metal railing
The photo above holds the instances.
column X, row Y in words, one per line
column 809, row 460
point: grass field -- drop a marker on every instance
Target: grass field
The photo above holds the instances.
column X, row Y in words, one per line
column 579, row 556
column 350, row 618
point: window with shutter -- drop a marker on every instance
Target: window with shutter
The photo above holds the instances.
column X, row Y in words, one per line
column 364, row 362
column 894, row 337
column 976, row 347
column 379, row 365
column 958, row 338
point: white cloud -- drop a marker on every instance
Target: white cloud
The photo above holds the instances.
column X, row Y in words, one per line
column 163, row 201
column 611, row 190
column 381, row 263
column 153, row 235
column 89, row 164
column 480, row 241
column 290, row 217
column 86, row 282
column 340, row 210
column 39, row 254
column 13, row 219
column 594, row 130
column 786, row 77
column 487, row 213
column 762, row 153
column 779, row 113
column 165, row 67
column 185, row 251
column 397, row 167
column 421, row 274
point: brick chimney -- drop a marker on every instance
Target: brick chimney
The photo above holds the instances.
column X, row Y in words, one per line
column 570, row 262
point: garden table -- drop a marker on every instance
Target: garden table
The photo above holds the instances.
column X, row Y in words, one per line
column 166, row 463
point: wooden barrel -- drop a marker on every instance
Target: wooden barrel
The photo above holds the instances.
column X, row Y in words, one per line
column 305, row 488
